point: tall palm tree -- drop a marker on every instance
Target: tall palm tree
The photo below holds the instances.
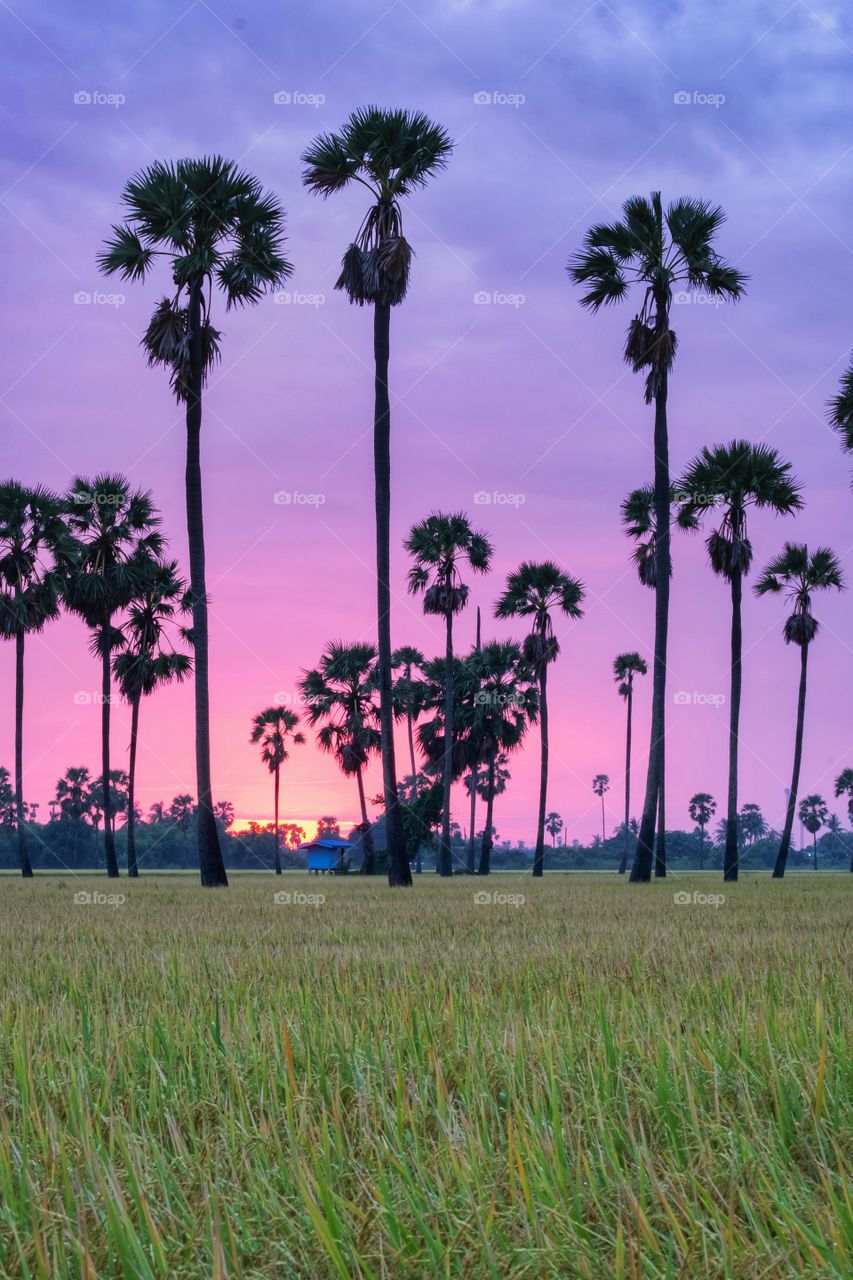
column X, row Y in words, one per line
column 35, row 552
column 409, row 694
column 797, row 574
column 656, row 251
column 217, row 227
column 813, row 815
column 841, row 410
column 601, row 785
column 702, row 808
column 733, row 479
column 340, row 697
column 391, row 154
column 625, row 667
column 116, row 533
column 149, row 659
column 553, row 825
column 439, row 546
column 844, row 787
column 273, row 729
column 538, row 590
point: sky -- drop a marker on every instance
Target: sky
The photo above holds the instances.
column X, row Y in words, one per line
column 509, row 401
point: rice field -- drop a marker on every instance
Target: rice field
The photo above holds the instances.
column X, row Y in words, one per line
column 597, row 1081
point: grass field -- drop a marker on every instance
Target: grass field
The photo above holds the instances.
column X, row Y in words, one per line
column 597, row 1082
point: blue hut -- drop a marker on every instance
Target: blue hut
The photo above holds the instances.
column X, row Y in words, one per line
column 328, row 853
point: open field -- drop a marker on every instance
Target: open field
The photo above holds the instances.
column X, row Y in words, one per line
column 599, row 1082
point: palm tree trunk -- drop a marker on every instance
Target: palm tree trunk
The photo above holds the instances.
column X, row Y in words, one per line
column 474, row 776
column 412, row 757
column 444, row 865
column 702, row 847
column 132, row 866
column 211, row 865
column 623, row 861
column 399, row 871
column 732, row 853
column 277, row 849
column 641, row 872
column 785, row 844
column 814, row 838
column 539, row 854
column 660, row 837
column 486, row 846
column 109, row 842
column 23, row 852
column 368, row 867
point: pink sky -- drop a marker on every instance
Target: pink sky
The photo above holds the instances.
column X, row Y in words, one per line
column 526, row 397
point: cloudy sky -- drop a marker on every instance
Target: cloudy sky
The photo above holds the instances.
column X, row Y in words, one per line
column 504, row 389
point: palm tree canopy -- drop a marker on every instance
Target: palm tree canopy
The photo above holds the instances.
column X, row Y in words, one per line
column 273, row 728
column 439, row 545
column 149, row 658
column 537, row 590
column 340, row 696
column 657, row 250
column 36, row 552
column 735, row 477
column 600, row 784
column 813, row 813
column 702, row 808
column 796, row 573
column 217, row 226
column 841, row 410
column 844, row 783
column 625, row 667
column 391, row 153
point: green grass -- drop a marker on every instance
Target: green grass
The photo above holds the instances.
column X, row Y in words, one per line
column 597, row 1083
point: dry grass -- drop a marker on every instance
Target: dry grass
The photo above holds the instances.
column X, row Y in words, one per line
column 599, row 1083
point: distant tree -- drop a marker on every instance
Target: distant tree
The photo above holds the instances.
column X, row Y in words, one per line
column 8, row 811
column 625, row 667
column 702, row 808
column 328, row 828
column 157, row 813
column 813, row 815
column 273, row 730
column 224, row 813
column 408, row 693
column 294, row 835
column 844, row 787
column 752, row 824
column 181, row 813
column 600, row 785
column 553, row 825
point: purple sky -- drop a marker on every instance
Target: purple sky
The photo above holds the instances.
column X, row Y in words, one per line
column 526, row 398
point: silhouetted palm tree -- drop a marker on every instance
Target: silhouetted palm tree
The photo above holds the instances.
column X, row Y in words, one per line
column 273, row 729
column 35, row 551
column 116, row 532
column 553, row 825
column 216, row 227
column 537, row 591
column 751, row 824
column 340, row 697
column 652, row 252
column 439, row 545
column 625, row 667
column 391, row 154
column 841, row 410
column 409, row 694
column 600, row 785
column 797, row 573
column 702, row 808
column 813, row 815
column 733, row 478
column 844, row 787
column 149, row 659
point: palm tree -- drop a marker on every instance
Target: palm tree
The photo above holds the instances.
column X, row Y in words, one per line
column 73, row 799
column 392, row 154
column 625, row 667
column 506, row 703
column 657, row 251
column 273, row 729
column 340, row 696
column 553, row 825
column 797, row 573
column 408, row 694
column 216, row 226
column 149, row 660
column 34, row 555
column 813, row 815
column 844, row 787
column 841, row 410
column 116, row 534
column 735, row 478
column 751, row 824
column 537, row 591
column 702, row 808
column 600, row 785
column 439, row 545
